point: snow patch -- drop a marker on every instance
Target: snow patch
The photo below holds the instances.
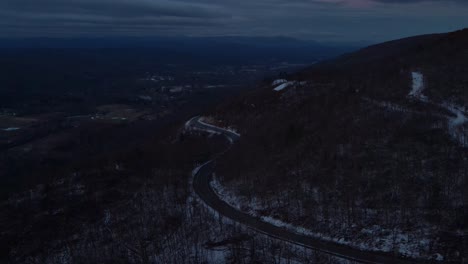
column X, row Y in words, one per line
column 439, row 257
column 210, row 131
column 213, row 130
column 455, row 123
column 176, row 89
column 11, row 129
column 215, row 86
column 387, row 105
column 189, row 123
column 283, row 86
column 278, row 82
column 225, row 195
column 417, row 86
column 229, row 129
column 145, row 97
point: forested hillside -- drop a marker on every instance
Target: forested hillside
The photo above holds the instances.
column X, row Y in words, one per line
column 368, row 150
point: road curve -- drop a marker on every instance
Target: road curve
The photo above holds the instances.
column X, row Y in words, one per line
column 201, row 185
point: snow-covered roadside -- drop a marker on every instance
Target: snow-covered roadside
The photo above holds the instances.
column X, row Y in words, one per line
column 214, row 255
column 373, row 238
column 188, row 124
column 210, row 131
column 223, row 254
column 197, row 169
column 203, row 120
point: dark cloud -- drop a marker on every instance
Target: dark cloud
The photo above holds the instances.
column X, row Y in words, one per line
column 111, row 7
column 84, row 17
column 318, row 19
column 419, row 1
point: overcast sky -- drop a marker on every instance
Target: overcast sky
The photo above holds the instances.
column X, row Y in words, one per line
column 322, row 20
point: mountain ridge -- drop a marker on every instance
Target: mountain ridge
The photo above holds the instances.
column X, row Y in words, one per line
column 345, row 147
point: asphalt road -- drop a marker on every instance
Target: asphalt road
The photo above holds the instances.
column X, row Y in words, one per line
column 201, row 186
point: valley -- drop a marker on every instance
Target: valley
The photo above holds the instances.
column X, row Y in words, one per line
column 165, row 155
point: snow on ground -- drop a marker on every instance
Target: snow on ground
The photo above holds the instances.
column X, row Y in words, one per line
column 278, row 82
column 188, row 126
column 392, row 107
column 145, row 97
column 224, row 194
column 417, row 86
column 189, row 123
column 11, row 129
column 283, row 86
column 374, row 238
column 458, row 111
column 456, row 122
column 176, row 89
column 218, row 256
column 439, row 257
column 232, row 130
column 387, row 105
column 210, row 131
column 202, row 120
column 223, row 254
column 214, row 86
column 197, row 169
column 381, row 239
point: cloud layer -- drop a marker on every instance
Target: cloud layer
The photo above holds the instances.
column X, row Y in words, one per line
column 328, row 20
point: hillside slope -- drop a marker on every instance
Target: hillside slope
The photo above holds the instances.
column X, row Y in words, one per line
column 368, row 150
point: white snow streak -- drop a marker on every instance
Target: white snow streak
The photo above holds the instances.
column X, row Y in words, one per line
column 456, row 123
column 189, row 123
column 229, row 129
column 417, row 86
column 278, row 82
column 283, row 86
column 11, row 129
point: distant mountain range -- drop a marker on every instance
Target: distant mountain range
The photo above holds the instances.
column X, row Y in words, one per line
column 223, row 48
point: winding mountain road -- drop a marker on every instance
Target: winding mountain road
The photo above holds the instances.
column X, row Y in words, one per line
column 203, row 175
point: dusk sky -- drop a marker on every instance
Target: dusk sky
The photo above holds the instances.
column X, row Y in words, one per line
column 321, row 20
